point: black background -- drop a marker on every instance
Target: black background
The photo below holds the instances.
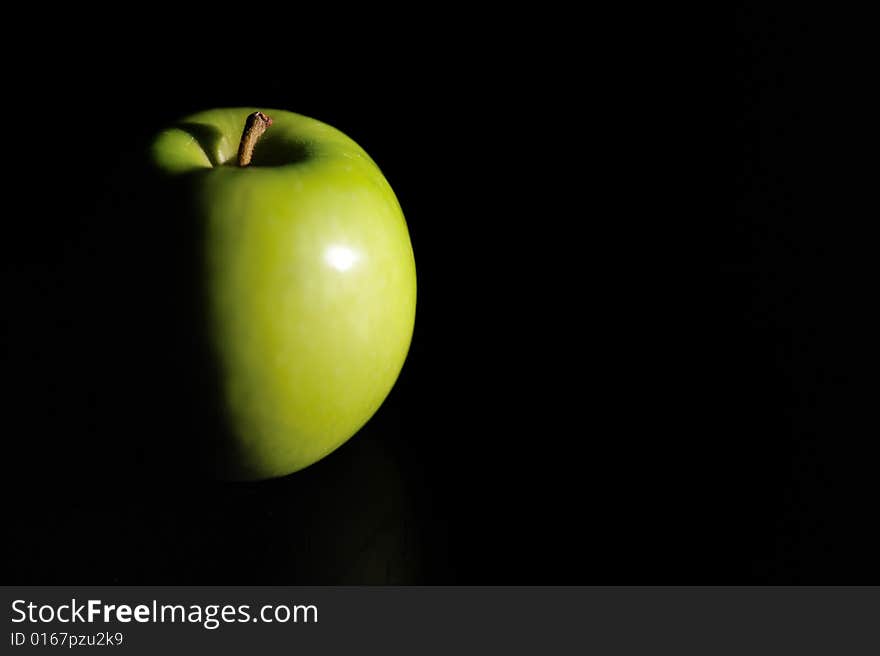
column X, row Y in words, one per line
column 602, row 387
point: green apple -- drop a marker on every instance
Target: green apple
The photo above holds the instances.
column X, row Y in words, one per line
column 308, row 279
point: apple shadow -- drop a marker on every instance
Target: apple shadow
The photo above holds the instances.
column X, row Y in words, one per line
column 279, row 150
column 207, row 136
column 182, row 431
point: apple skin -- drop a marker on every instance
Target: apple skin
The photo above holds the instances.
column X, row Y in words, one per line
column 308, row 281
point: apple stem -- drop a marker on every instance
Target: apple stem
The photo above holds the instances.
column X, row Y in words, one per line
column 254, row 127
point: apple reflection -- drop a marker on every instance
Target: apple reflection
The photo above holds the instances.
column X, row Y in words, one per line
column 346, row 520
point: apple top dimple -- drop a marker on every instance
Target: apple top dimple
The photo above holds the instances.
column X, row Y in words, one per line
column 212, row 138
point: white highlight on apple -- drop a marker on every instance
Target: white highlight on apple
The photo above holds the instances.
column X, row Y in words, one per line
column 340, row 258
